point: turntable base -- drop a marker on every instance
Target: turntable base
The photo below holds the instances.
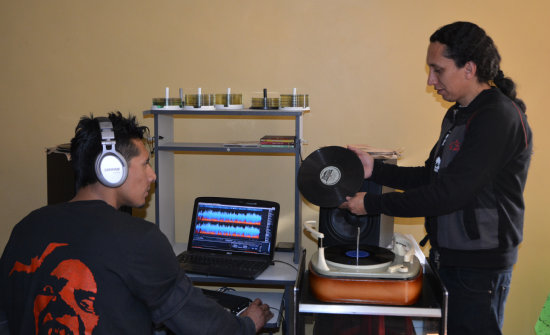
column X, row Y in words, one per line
column 382, row 291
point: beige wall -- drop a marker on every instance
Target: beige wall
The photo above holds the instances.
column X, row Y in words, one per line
column 361, row 61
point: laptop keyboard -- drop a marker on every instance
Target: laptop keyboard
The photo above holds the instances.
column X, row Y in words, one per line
column 221, row 266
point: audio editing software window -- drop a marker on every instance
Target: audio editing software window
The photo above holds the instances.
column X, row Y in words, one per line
column 239, row 228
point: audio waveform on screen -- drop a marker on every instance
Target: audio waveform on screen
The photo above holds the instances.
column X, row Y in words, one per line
column 228, row 230
column 230, row 217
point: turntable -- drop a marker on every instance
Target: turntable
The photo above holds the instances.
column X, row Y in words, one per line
column 365, row 274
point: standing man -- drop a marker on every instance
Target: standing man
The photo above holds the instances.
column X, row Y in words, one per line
column 471, row 187
column 83, row 267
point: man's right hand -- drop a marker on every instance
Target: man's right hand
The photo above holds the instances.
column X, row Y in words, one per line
column 366, row 160
column 259, row 313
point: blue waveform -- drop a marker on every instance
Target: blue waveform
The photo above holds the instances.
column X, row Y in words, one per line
column 227, row 230
column 230, row 217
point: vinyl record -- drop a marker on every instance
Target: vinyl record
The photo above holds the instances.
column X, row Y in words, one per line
column 369, row 256
column 330, row 174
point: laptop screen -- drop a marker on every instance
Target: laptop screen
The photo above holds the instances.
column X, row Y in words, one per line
column 236, row 226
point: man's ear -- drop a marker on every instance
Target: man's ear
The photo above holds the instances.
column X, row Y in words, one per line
column 470, row 69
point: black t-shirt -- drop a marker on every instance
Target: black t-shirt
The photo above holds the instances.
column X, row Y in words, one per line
column 84, row 267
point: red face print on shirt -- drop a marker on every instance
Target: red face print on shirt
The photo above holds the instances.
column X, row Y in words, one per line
column 65, row 303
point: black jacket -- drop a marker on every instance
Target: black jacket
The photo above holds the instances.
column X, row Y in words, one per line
column 471, row 187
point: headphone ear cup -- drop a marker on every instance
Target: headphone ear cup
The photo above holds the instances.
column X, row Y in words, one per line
column 111, row 169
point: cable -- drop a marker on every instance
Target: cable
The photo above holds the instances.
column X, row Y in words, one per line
column 278, row 312
column 292, row 266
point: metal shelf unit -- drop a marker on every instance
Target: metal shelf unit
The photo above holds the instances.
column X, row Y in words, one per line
column 165, row 148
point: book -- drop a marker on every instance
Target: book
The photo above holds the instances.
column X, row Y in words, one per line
column 278, row 138
column 277, row 145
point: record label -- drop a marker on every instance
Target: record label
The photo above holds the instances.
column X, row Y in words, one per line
column 355, row 254
column 330, row 174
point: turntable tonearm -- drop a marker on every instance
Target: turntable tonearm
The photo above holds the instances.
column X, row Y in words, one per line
column 365, row 274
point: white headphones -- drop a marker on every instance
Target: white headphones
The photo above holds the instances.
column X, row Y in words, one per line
column 110, row 167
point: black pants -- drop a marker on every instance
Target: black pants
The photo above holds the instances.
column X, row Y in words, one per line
column 476, row 299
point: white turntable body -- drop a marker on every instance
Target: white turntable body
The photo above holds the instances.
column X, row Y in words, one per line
column 397, row 281
column 405, row 264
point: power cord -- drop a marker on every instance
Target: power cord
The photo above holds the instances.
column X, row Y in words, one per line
column 291, row 265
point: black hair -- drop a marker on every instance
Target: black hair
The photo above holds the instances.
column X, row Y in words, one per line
column 466, row 41
column 86, row 144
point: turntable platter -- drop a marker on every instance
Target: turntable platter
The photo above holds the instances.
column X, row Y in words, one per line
column 365, row 257
column 395, row 270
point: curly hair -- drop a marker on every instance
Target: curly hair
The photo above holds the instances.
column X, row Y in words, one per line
column 466, row 41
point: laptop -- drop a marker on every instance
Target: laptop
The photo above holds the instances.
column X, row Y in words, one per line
column 231, row 237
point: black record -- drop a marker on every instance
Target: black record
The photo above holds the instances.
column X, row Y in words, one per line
column 329, row 174
column 369, row 255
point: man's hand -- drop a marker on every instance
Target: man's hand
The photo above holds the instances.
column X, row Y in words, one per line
column 366, row 159
column 258, row 312
column 355, row 204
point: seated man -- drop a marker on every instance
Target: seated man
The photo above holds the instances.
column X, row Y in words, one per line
column 83, row 267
